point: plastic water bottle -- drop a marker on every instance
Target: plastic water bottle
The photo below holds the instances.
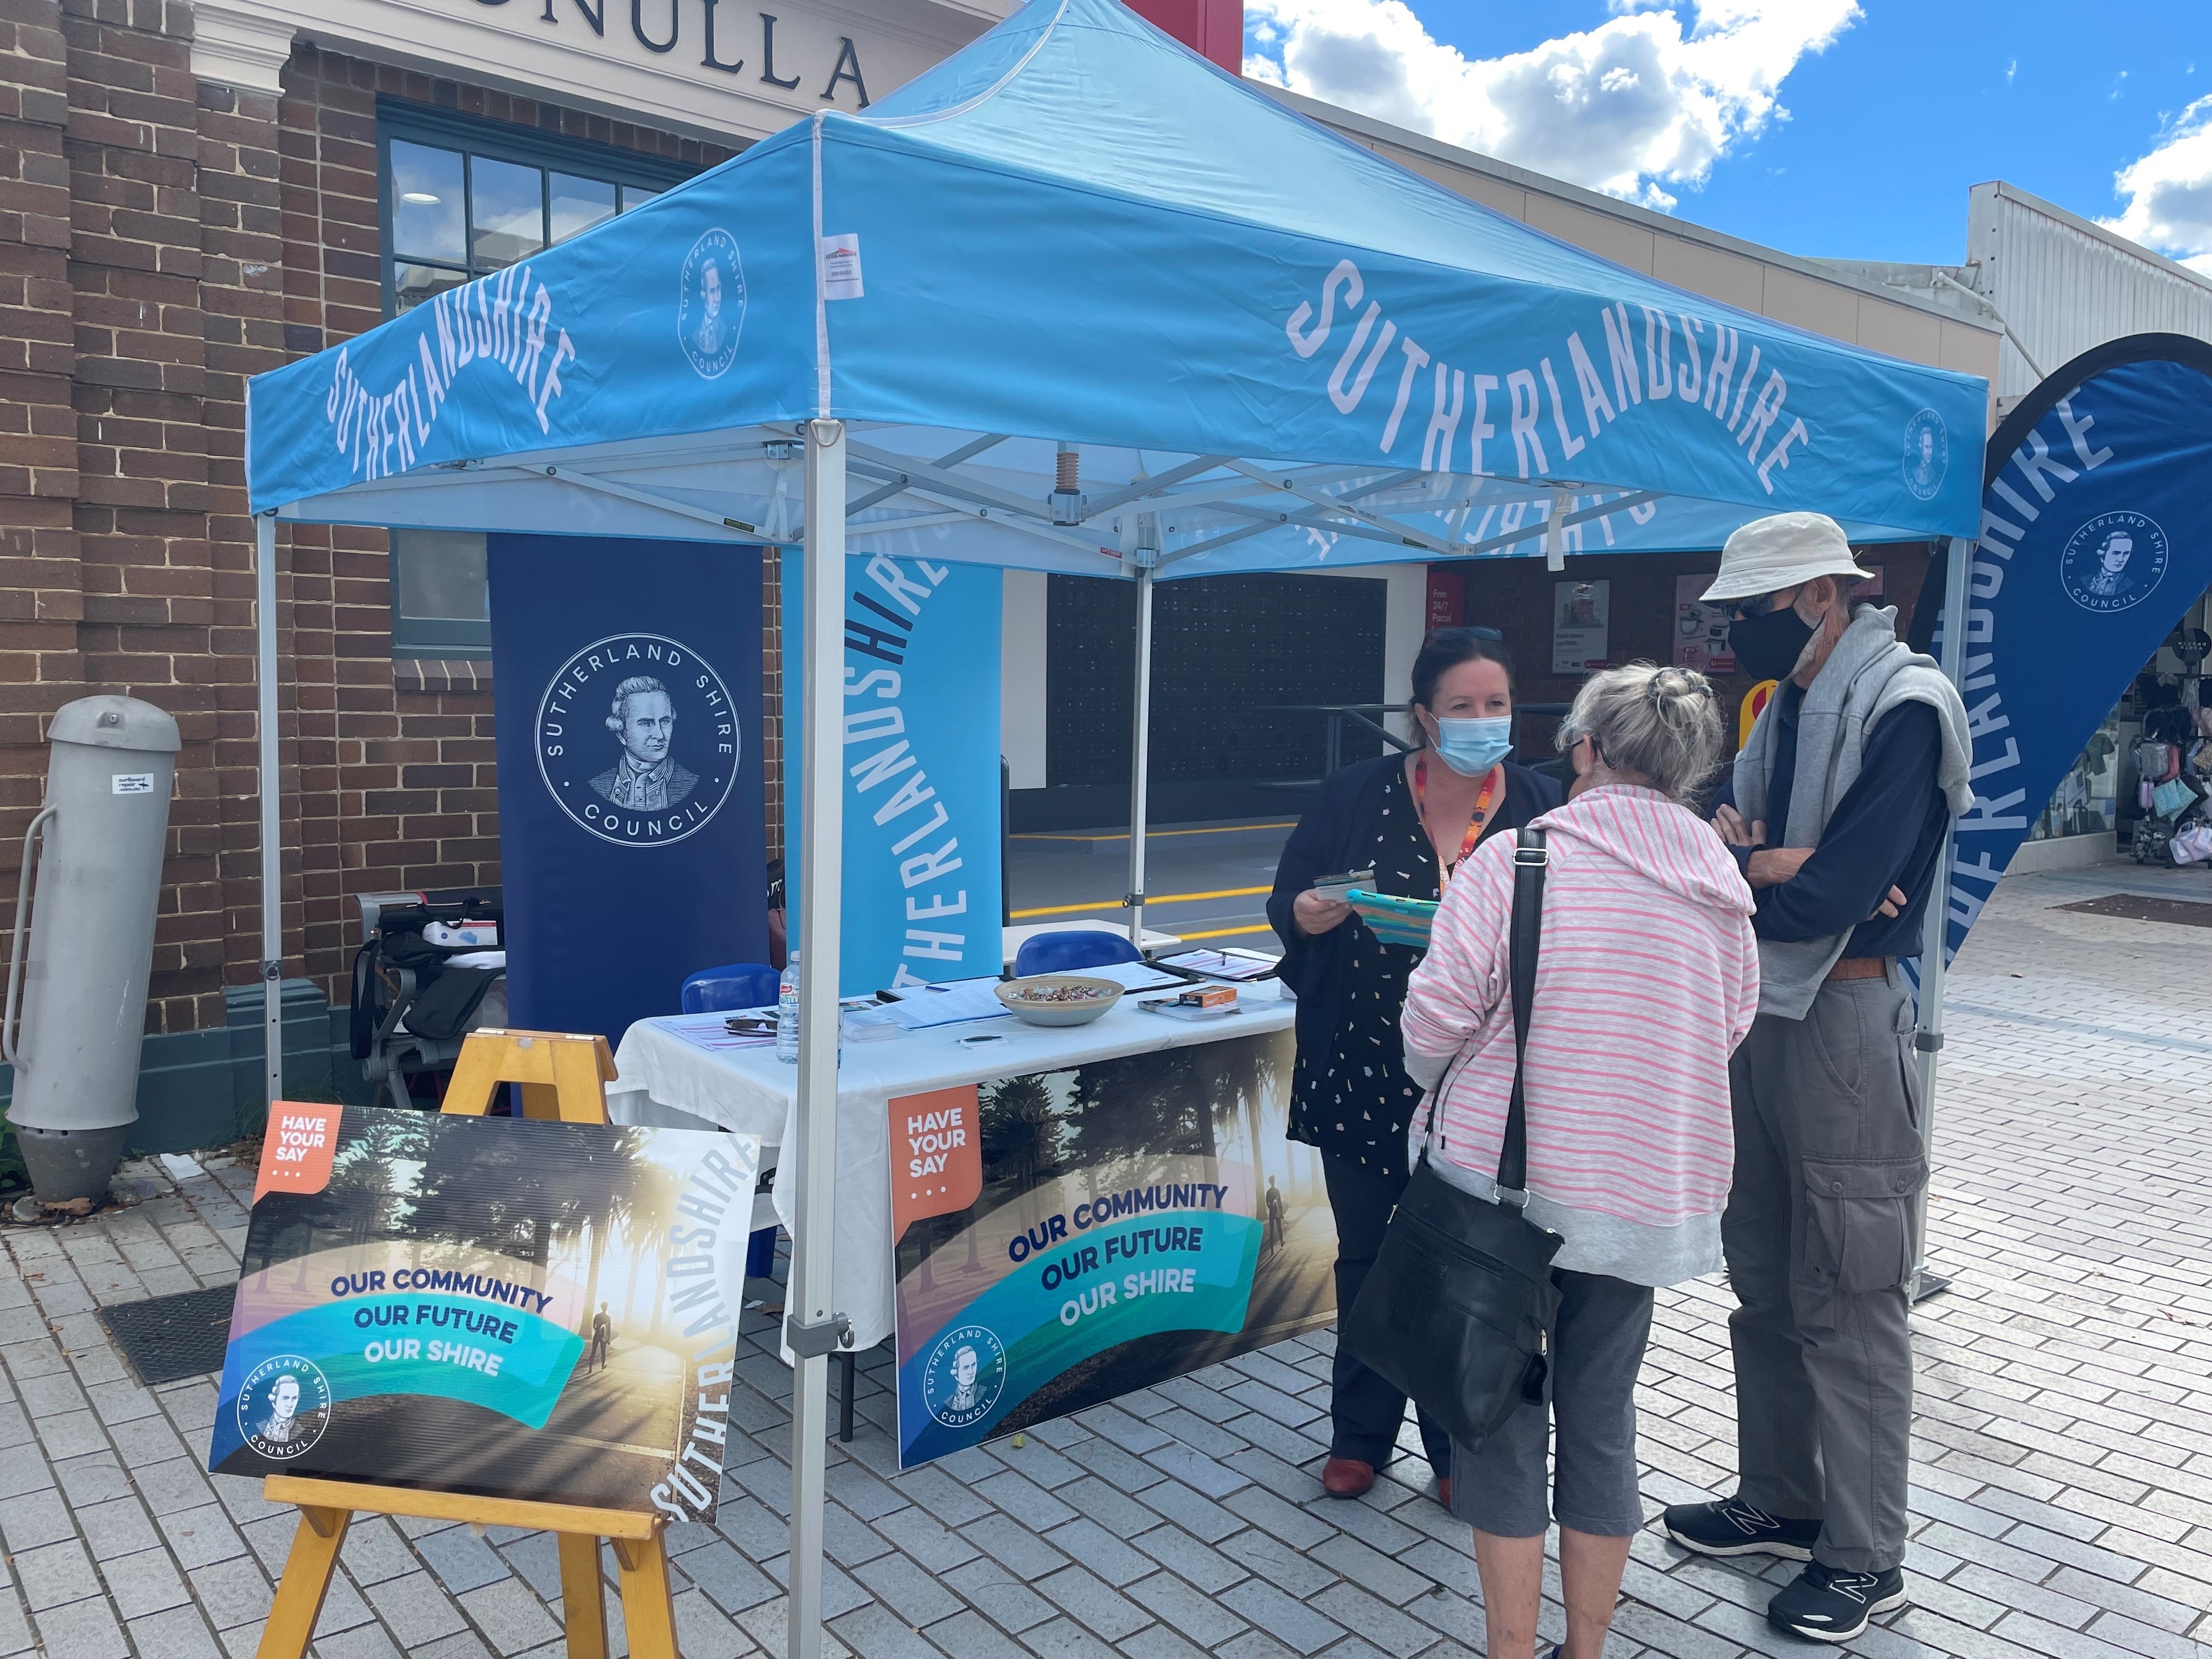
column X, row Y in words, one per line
column 787, row 1012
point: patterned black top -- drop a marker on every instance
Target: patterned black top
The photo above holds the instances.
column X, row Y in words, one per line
column 1356, row 1103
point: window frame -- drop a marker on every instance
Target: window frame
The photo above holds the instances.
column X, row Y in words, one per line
column 500, row 141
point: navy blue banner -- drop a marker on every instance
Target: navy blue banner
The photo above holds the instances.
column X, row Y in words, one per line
column 2096, row 535
column 627, row 682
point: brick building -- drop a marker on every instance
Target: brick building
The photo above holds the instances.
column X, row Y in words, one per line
column 197, row 190
column 196, row 194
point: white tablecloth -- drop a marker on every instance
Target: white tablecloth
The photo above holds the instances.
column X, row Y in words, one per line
column 667, row 1080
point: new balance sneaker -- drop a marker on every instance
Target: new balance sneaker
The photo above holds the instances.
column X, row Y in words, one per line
column 1732, row 1526
column 1824, row 1605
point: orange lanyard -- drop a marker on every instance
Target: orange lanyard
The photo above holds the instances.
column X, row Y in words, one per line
column 1476, row 826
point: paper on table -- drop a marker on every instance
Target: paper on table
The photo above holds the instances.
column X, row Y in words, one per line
column 1131, row 975
column 1224, row 964
column 949, row 1004
column 709, row 1031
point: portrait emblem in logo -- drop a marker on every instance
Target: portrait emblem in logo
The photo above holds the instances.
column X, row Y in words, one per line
column 710, row 303
column 284, row 1406
column 2113, row 562
column 1927, row 453
column 964, row 1377
column 637, row 740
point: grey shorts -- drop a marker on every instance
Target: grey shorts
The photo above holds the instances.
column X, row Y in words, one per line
column 1598, row 1338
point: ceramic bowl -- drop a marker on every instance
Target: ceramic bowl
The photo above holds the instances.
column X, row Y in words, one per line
column 1103, row 993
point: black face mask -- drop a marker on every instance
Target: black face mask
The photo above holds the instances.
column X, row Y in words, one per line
column 1767, row 648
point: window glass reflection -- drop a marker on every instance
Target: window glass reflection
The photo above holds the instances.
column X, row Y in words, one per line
column 411, row 284
column 426, row 203
column 506, row 210
column 439, row 574
column 580, row 204
column 636, row 195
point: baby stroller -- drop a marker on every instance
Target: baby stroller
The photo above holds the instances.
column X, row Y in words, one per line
column 430, row 969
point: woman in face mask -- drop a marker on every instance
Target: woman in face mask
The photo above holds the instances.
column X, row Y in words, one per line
column 1411, row 818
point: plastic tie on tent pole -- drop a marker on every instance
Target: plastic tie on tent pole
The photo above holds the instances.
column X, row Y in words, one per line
column 816, row 1338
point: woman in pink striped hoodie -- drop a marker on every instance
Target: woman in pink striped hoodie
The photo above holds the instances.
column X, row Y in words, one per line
column 1647, row 978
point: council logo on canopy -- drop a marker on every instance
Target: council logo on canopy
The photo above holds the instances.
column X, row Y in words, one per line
column 710, row 303
column 1927, row 453
column 2113, row 562
column 284, row 1406
column 965, row 1375
column 637, row 741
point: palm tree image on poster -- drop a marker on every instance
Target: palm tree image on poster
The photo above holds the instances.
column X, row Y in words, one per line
column 1210, row 1115
column 583, row 1214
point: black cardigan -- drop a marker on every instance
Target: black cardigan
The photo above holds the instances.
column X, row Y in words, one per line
column 1346, row 816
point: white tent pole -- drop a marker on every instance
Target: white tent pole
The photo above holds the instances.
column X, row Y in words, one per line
column 272, row 849
column 1140, row 753
column 812, row 1329
column 1928, row 1039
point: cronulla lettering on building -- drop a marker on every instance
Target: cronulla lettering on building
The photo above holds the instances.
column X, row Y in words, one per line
column 1680, row 360
column 503, row 321
column 881, row 634
column 723, row 38
column 2041, row 475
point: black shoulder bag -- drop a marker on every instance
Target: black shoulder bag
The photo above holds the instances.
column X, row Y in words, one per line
column 1454, row 1311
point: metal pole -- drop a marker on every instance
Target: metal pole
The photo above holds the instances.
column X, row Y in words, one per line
column 272, row 848
column 812, row 1328
column 1928, row 1038
column 1140, row 748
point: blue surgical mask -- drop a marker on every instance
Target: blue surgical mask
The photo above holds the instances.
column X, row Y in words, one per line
column 1472, row 747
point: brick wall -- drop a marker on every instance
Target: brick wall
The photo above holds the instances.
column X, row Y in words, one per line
column 162, row 239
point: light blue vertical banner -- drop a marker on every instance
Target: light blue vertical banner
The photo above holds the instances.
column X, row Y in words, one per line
column 921, row 892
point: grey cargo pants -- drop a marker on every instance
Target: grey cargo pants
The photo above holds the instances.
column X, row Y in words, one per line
column 1817, row 1238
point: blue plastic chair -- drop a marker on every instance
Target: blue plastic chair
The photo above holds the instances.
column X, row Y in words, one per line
column 1072, row 951
column 733, row 985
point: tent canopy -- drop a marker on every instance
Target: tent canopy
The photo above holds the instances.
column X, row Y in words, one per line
column 1267, row 348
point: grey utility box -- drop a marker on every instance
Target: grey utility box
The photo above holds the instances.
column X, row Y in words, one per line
column 76, row 984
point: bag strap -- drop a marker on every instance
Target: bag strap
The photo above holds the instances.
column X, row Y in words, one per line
column 1524, row 935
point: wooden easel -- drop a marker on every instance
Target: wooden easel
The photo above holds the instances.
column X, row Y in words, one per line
column 560, row 1077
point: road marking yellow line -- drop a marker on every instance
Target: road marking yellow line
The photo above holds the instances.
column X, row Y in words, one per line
column 1165, row 899
column 1225, row 932
column 1150, row 834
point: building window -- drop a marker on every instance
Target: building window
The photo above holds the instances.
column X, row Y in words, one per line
column 439, row 605
column 461, row 197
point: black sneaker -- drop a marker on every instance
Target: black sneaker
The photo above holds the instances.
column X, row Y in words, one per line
column 1824, row 1605
column 1732, row 1526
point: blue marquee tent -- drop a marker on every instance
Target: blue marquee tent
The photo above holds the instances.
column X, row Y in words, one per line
column 1075, row 300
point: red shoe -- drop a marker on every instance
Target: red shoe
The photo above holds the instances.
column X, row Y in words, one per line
column 1346, row 1477
column 1444, row 1491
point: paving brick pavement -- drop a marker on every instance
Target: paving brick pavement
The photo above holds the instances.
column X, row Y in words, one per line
column 2063, row 1494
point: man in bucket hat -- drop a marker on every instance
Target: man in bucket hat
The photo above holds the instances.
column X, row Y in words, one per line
column 1837, row 811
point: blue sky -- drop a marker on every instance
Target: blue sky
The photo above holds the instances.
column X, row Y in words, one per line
column 1820, row 127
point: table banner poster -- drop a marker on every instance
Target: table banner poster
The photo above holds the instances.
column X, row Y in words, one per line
column 632, row 800
column 921, row 889
column 1065, row 1237
column 1578, row 626
column 504, row 1307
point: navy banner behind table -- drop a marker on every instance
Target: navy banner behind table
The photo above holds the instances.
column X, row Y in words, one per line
column 1068, row 1236
column 2096, row 535
column 920, row 893
column 631, row 804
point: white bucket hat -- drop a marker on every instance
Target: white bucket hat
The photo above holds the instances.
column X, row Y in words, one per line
column 1770, row 554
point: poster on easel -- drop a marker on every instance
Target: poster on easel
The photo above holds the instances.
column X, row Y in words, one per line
column 1579, row 614
column 503, row 1307
column 1065, row 1237
column 1701, row 630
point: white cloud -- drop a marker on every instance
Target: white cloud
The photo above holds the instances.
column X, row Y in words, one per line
column 1634, row 105
column 2168, row 192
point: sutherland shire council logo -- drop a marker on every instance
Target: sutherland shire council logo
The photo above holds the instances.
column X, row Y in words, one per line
column 965, row 1375
column 2113, row 562
column 284, row 1406
column 1927, row 453
column 710, row 303
column 637, row 741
